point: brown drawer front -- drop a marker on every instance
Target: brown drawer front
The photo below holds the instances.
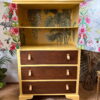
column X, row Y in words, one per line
column 48, row 87
column 49, row 57
column 35, row 73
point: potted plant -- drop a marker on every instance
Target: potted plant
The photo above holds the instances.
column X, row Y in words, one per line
column 3, row 60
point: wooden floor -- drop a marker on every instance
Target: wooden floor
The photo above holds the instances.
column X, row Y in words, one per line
column 11, row 92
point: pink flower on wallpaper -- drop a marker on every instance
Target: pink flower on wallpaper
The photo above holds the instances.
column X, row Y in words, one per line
column 87, row 20
column 15, row 18
column 99, row 49
column 81, row 42
column 13, row 6
column 83, row 4
column 13, row 46
column 14, row 31
column 1, row 44
column 82, row 30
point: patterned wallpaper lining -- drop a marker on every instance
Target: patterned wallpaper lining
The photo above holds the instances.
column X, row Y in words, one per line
column 9, row 34
column 89, row 26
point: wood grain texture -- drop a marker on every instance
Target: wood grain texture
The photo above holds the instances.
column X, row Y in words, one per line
column 48, row 87
column 49, row 57
column 49, row 73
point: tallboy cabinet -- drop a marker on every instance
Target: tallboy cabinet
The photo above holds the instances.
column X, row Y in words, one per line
column 48, row 60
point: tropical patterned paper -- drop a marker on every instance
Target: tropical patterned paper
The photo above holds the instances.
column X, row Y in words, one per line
column 89, row 26
column 9, row 33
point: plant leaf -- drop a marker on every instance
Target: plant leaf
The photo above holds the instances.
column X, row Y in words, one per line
column 4, row 60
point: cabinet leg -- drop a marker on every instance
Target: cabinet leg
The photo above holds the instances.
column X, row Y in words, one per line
column 25, row 97
column 73, row 97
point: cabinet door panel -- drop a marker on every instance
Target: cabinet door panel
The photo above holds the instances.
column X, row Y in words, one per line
column 9, row 33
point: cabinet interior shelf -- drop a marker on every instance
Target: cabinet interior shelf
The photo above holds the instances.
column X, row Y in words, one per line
column 29, row 27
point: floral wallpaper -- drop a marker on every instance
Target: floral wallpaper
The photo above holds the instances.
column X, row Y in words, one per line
column 9, row 38
column 88, row 37
column 89, row 26
column 9, row 33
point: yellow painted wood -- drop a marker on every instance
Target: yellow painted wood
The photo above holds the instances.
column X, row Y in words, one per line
column 50, row 65
column 47, row 1
column 30, row 27
column 49, row 48
column 23, row 5
column 78, row 71
column 19, row 71
column 53, row 80
column 68, row 96
column 25, row 97
column 75, row 16
column 73, row 97
column 64, row 5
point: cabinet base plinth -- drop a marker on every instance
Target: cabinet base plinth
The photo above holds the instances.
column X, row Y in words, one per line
column 25, row 97
column 28, row 97
column 72, row 97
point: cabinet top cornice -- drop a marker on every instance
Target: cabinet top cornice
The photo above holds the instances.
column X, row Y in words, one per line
column 47, row 1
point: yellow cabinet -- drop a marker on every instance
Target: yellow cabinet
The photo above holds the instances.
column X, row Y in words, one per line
column 48, row 60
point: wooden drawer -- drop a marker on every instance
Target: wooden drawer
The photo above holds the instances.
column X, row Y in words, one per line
column 49, row 57
column 48, row 87
column 36, row 73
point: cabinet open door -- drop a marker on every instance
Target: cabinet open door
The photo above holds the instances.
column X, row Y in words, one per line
column 9, row 33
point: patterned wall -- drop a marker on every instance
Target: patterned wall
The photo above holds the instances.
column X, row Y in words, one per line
column 9, row 38
column 89, row 22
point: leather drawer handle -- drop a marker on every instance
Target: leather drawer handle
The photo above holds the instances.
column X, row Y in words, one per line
column 67, row 72
column 29, row 57
column 30, row 88
column 29, row 73
column 67, row 87
column 68, row 56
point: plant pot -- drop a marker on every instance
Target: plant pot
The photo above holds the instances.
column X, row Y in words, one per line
column 2, row 84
